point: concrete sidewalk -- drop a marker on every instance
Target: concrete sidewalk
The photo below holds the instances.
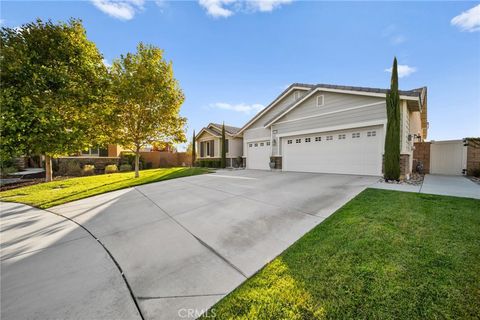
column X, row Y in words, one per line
column 54, row 269
column 457, row 186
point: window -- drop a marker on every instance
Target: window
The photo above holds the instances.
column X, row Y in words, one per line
column 256, row 144
column 371, row 133
column 208, row 148
column 261, row 144
column 226, row 145
column 95, row 151
column 298, row 140
column 296, row 95
column 320, row 100
column 289, row 141
column 318, row 138
column 329, row 138
column 268, row 143
column 341, row 137
column 249, row 145
column 356, row 135
column 307, row 139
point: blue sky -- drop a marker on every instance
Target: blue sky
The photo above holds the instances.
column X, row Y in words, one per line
column 232, row 57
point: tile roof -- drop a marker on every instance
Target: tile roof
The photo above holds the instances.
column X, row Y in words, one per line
column 228, row 129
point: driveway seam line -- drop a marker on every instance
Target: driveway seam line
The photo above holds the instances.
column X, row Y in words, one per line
column 197, row 238
column 183, row 296
column 111, row 257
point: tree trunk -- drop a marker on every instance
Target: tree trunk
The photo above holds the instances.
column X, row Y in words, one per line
column 48, row 168
column 137, row 162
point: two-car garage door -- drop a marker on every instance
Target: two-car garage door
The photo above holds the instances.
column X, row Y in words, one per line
column 356, row 151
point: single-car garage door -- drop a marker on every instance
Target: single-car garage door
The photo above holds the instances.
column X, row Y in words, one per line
column 258, row 155
column 356, row 151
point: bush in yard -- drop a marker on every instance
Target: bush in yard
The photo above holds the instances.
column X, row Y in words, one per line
column 129, row 158
column 69, row 168
column 111, row 168
column 88, row 170
column 125, row 167
column 392, row 136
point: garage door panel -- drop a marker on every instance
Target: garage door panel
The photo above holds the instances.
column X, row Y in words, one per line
column 359, row 155
column 258, row 155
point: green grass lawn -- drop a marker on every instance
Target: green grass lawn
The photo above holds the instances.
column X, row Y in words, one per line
column 384, row 255
column 46, row 195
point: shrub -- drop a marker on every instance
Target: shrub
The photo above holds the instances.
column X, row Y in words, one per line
column 88, row 170
column 69, row 168
column 129, row 158
column 125, row 167
column 208, row 163
column 111, row 168
column 7, row 170
column 475, row 172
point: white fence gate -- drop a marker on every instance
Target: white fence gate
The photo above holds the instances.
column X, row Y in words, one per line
column 448, row 157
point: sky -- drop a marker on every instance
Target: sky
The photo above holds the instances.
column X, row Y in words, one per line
column 232, row 57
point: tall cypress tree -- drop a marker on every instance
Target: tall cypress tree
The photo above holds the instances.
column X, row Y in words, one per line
column 193, row 149
column 223, row 160
column 392, row 137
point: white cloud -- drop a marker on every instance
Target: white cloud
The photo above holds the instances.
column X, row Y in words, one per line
column 393, row 34
column 120, row 9
column 241, row 107
column 403, row 70
column 266, row 5
column 216, row 8
column 468, row 20
column 226, row 8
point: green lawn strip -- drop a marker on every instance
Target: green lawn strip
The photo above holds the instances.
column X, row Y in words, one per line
column 384, row 255
column 46, row 195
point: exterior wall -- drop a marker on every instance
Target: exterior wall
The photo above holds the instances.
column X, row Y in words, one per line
column 161, row 159
column 332, row 102
column 473, row 156
column 114, row 150
column 416, row 124
column 208, row 137
column 235, row 147
column 422, row 153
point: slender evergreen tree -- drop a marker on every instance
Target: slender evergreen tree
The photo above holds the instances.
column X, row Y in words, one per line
column 392, row 137
column 193, row 149
column 223, row 160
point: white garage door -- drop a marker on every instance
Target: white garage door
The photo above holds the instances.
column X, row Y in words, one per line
column 356, row 151
column 448, row 157
column 258, row 155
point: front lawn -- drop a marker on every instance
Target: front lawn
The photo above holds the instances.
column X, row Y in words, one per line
column 46, row 195
column 384, row 255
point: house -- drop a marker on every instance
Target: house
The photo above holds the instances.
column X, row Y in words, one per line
column 209, row 141
column 331, row 129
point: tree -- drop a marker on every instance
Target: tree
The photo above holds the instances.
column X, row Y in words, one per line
column 392, row 137
column 223, row 160
column 53, row 84
column 147, row 100
column 194, row 156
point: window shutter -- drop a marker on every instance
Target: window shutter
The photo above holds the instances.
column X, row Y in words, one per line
column 202, row 149
column 212, row 151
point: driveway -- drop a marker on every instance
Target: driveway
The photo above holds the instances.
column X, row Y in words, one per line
column 181, row 244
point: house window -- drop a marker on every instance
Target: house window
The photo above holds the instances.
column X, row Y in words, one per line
column 289, row 141
column 307, row 139
column 371, row 133
column 256, row 144
column 208, row 147
column 341, row 137
column 268, row 143
column 249, row 145
column 329, row 138
column 356, row 135
column 318, row 138
column 320, row 100
column 95, row 151
column 261, row 144
column 298, row 140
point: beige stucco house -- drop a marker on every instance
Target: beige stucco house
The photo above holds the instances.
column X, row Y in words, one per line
column 328, row 129
column 208, row 142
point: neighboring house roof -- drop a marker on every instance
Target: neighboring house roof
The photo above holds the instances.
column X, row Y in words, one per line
column 418, row 93
column 215, row 129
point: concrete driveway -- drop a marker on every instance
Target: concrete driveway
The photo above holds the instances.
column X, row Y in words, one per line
column 181, row 244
